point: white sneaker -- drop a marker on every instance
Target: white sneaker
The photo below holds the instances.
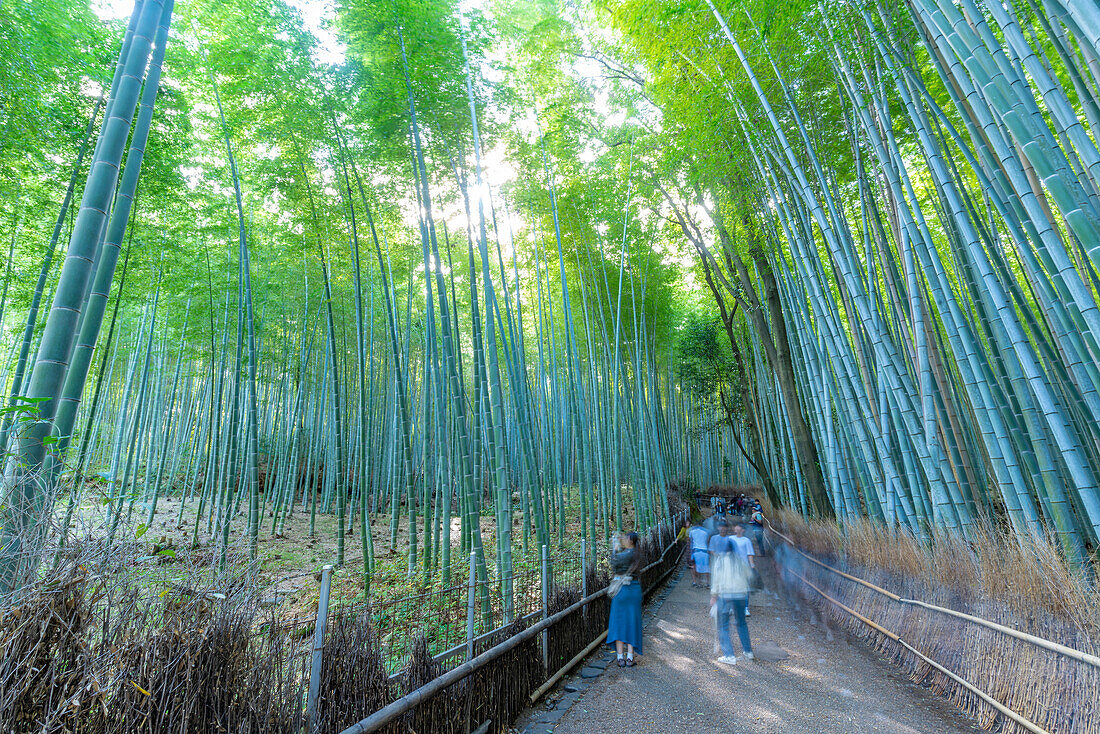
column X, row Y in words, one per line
column 749, row 655
column 748, row 613
column 727, row 659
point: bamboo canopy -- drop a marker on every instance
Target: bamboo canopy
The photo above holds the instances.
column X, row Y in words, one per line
column 843, row 251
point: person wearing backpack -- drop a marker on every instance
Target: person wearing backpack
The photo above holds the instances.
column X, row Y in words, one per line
column 756, row 519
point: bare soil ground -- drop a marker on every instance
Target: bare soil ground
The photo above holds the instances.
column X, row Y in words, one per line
column 288, row 564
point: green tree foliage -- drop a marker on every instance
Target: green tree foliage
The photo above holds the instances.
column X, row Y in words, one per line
column 784, row 223
column 707, row 366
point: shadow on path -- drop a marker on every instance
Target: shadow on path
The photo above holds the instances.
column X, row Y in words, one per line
column 828, row 684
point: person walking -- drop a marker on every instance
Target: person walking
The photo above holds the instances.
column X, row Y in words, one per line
column 756, row 527
column 710, row 524
column 743, row 546
column 721, row 542
column 729, row 592
column 700, row 561
column 624, row 624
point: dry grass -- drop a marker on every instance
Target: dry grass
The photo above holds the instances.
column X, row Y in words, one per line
column 1029, row 576
column 94, row 648
column 1025, row 584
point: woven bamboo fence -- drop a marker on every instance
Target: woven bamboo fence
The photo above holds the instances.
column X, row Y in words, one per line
column 77, row 662
column 1037, row 689
column 443, row 708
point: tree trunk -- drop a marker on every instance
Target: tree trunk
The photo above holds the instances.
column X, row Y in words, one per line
column 754, row 451
column 780, row 359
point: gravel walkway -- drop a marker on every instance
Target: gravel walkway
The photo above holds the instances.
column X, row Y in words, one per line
column 828, row 684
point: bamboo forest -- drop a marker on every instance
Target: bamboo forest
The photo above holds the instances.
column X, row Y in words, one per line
column 398, row 302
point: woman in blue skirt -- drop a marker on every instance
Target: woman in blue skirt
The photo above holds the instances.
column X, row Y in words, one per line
column 624, row 626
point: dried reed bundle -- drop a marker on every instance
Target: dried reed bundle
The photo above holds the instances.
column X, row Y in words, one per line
column 569, row 636
column 88, row 658
column 441, row 712
column 354, row 683
column 499, row 691
column 45, row 654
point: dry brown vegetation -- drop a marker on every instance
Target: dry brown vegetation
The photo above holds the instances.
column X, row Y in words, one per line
column 1029, row 576
column 1021, row 583
column 97, row 647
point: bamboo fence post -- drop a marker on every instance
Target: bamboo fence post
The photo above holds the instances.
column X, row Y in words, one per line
column 545, row 611
column 318, row 646
column 471, row 606
column 471, row 615
column 584, row 574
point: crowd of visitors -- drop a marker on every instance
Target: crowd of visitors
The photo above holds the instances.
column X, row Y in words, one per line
column 742, row 504
column 721, row 557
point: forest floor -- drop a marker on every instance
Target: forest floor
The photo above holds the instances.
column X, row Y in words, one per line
column 829, row 683
column 288, row 564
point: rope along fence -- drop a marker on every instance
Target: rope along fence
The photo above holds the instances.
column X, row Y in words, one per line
column 1001, row 676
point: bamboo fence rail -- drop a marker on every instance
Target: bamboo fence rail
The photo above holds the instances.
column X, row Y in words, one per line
column 85, row 659
column 573, row 635
column 992, row 671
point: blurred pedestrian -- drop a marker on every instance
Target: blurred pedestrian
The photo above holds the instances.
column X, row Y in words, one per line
column 743, row 545
column 683, row 532
column 624, row 624
column 756, row 519
column 700, row 561
column 729, row 597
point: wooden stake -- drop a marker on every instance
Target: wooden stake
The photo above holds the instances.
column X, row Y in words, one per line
column 318, row 646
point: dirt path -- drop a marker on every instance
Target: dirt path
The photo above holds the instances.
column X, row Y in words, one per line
column 825, row 686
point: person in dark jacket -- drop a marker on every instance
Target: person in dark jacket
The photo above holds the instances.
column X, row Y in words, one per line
column 757, row 520
column 624, row 625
